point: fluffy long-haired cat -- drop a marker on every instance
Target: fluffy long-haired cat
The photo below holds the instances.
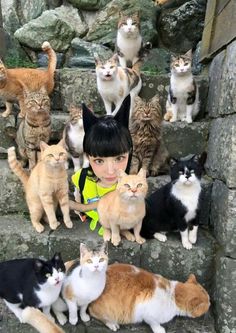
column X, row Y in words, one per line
column 114, row 83
column 133, row 295
column 31, row 282
column 183, row 98
column 129, row 39
column 176, row 205
column 85, row 281
column 11, row 88
column 145, row 128
column 46, row 186
column 123, row 209
column 73, row 136
column 35, row 127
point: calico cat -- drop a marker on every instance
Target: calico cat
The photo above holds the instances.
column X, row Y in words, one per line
column 85, row 281
column 35, row 127
column 129, row 39
column 176, row 205
column 183, row 98
column 11, row 88
column 31, row 282
column 73, row 136
column 46, row 186
column 133, row 295
column 114, row 83
column 145, row 128
column 123, row 209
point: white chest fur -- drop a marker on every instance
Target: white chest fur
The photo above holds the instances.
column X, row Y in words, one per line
column 129, row 46
column 180, row 86
column 48, row 294
column 76, row 135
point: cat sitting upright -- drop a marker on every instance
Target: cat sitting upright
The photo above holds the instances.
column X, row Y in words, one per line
column 114, row 83
column 183, row 98
column 133, row 295
column 11, row 88
column 176, row 205
column 31, row 282
column 46, row 186
column 123, row 209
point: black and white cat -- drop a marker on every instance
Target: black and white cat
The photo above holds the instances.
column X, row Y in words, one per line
column 31, row 282
column 176, row 205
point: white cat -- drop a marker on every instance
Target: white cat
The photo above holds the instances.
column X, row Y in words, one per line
column 83, row 284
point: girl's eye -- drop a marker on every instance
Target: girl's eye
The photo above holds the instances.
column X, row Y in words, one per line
column 48, row 275
column 120, row 158
column 181, row 173
column 127, row 186
column 98, row 161
column 101, row 259
column 89, row 261
column 140, row 185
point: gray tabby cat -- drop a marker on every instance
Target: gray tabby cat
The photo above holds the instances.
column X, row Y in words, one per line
column 183, row 98
column 149, row 151
column 35, row 127
column 73, row 136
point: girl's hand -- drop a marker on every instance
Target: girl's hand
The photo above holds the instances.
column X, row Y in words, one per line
column 82, row 207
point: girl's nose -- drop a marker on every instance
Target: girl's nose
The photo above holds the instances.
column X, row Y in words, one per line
column 110, row 168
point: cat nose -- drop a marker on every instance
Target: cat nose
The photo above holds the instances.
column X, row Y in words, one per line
column 96, row 267
column 133, row 190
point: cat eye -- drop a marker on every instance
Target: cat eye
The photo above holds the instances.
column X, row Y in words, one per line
column 186, row 64
column 61, row 154
column 176, row 65
column 48, row 275
column 139, row 185
column 50, row 155
column 127, row 186
column 101, row 259
column 181, row 173
column 89, row 261
column 59, row 270
column 111, row 67
column 192, row 171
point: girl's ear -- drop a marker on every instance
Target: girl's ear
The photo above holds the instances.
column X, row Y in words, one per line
column 89, row 118
column 122, row 115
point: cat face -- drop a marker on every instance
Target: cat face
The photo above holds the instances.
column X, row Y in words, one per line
column 76, row 116
column 51, row 272
column 107, row 70
column 54, row 155
column 186, row 172
column 132, row 187
column 182, row 64
column 94, row 261
column 129, row 26
column 37, row 101
column 147, row 111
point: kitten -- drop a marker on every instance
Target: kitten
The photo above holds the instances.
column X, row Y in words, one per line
column 115, row 83
column 73, row 136
column 123, row 209
column 129, row 39
column 183, row 98
column 176, row 205
column 83, row 284
column 133, row 295
column 11, row 88
column 46, row 186
column 145, row 128
column 31, row 282
column 35, row 127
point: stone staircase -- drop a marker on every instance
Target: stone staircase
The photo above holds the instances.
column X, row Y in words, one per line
column 170, row 259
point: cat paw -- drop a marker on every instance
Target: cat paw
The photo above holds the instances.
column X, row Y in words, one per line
column 172, row 120
column 115, row 240
column 54, row 225
column 187, row 245
column 160, row 237
column 140, row 240
column 62, row 319
column 39, row 228
column 192, row 238
column 51, row 318
column 189, row 120
column 68, row 224
column 113, row 326
column 106, row 235
column 73, row 321
column 85, row 317
column 5, row 114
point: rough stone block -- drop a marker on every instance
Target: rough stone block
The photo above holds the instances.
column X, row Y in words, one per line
column 223, row 217
column 225, row 295
column 221, row 160
column 6, row 141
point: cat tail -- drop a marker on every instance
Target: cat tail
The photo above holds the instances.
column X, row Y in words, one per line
column 39, row 321
column 16, row 167
column 52, row 57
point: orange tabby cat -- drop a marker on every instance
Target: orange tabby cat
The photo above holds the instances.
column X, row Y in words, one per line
column 11, row 89
column 124, row 208
column 46, row 186
column 133, row 295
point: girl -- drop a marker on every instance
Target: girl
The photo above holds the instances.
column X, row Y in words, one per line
column 108, row 145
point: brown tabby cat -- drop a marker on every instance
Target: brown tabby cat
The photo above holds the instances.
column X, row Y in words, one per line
column 35, row 127
column 46, row 186
column 11, row 89
column 133, row 295
column 145, row 128
column 124, row 208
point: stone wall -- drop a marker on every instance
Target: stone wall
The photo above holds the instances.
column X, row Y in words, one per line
column 221, row 166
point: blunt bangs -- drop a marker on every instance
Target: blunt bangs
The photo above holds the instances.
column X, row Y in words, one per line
column 107, row 138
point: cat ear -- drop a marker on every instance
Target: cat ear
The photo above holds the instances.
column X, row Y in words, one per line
column 97, row 59
column 189, row 53
column 202, row 158
column 122, row 115
column 104, row 248
column 83, row 249
column 115, row 58
column 43, row 145
column 57, row 257
column 192, row 279
column 89, row 118
column 121, row 174
column 173, row 161
column 61, row 143
column 142, row 173
column 38, row 265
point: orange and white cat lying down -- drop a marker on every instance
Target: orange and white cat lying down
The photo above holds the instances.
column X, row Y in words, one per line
column 133, row 295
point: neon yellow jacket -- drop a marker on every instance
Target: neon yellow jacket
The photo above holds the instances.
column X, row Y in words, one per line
column 92, row 192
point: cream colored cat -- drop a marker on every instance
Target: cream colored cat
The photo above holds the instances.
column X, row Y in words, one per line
column 133, row 295
column 124, row 209
column 46, row 186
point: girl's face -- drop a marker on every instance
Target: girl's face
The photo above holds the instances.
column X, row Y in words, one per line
column 106, row 168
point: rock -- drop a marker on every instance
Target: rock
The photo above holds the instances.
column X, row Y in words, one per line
column 90, row 5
